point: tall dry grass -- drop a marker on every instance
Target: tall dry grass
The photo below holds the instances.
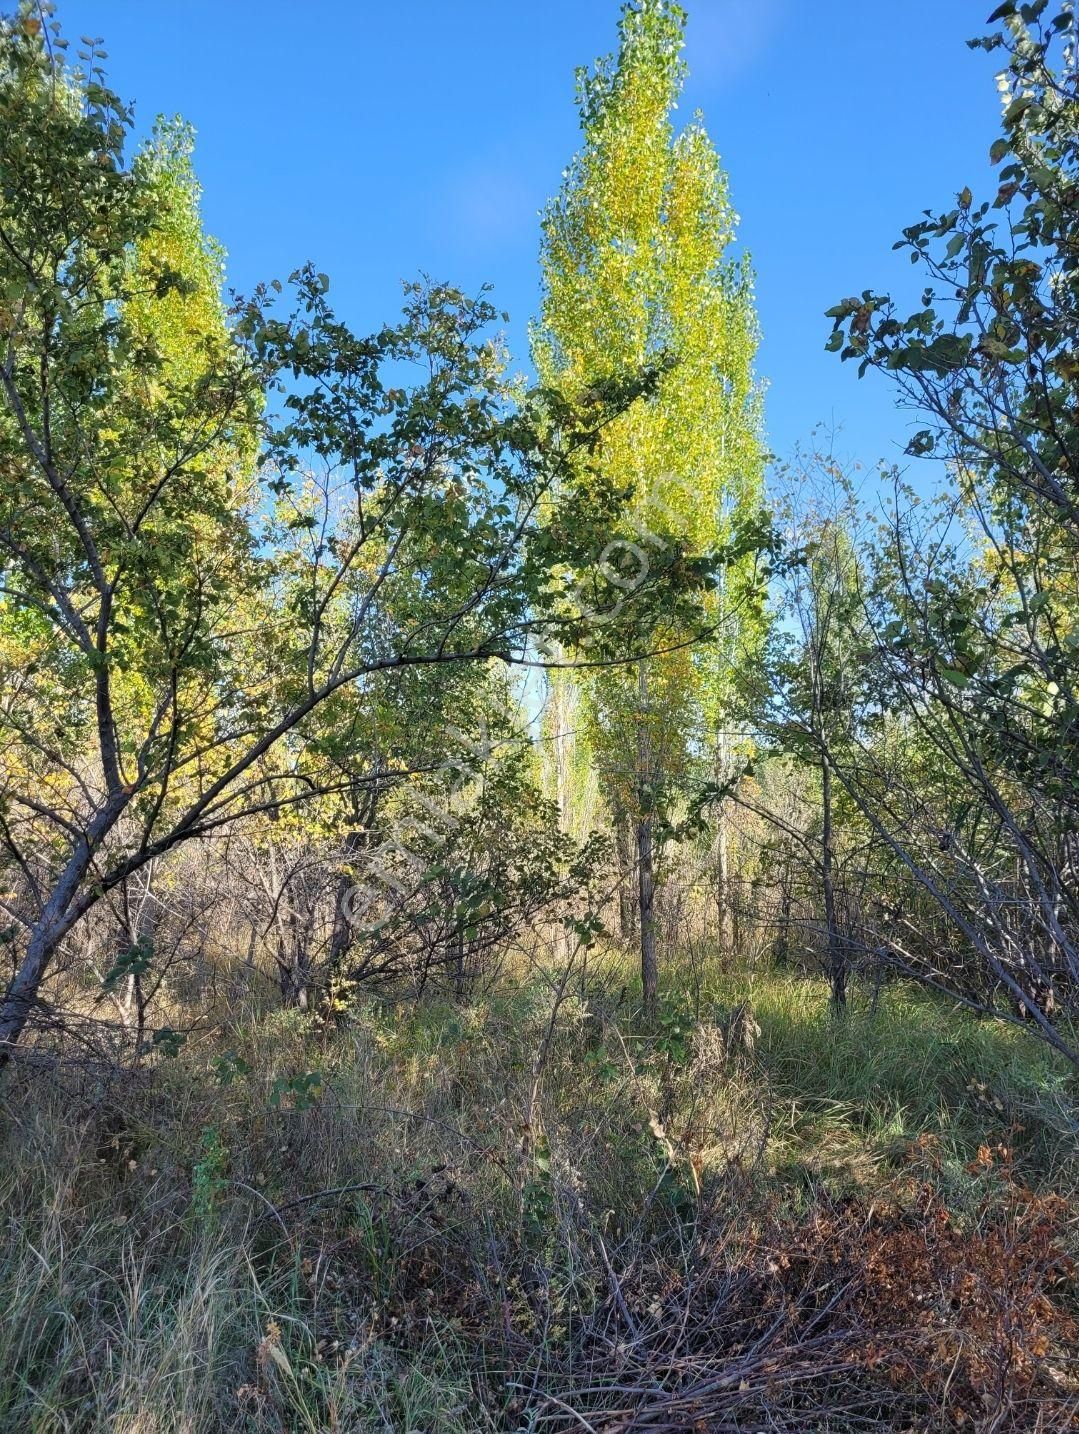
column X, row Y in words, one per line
column 534, row 1211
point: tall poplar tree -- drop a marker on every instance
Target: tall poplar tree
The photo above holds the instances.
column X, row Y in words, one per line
column 636, row 275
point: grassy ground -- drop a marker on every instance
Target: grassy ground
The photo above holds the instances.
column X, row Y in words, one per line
column 533, row 1211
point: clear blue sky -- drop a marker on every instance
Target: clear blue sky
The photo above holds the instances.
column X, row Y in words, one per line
column 380, row 138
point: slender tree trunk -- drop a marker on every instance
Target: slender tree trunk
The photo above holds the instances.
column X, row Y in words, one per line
column 562, row 758
column 21, row 994
column 837, row 956
column 646, row 886
column 292, row 975
column 626, row 927
column 292, row 958
column 58, row 915
column 137, row 929
column 140, row 1011
column 341, row 934
column 359, row 837
column 724, row 904
column 297, row 935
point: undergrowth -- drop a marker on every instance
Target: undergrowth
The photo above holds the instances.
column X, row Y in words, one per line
column 536, row 1211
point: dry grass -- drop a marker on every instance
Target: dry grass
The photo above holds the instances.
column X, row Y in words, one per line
column 533, row 1212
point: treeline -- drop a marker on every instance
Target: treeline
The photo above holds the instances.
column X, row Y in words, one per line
column 276, row 598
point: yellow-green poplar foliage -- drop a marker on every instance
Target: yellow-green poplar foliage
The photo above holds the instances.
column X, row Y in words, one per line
column 179, row 347
column 636, row 274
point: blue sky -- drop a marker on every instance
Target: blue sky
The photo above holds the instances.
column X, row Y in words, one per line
column 384, row 139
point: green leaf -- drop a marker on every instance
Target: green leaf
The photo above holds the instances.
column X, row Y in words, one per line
column 168, row 1041
column 954, row 676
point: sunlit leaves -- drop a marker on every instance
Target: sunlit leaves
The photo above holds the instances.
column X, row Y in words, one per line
column 637, row 274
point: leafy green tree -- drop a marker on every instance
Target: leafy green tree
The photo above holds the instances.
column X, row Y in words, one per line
column 215, row 526
column 978, row 646
column 636, row 275
column 821, row 672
